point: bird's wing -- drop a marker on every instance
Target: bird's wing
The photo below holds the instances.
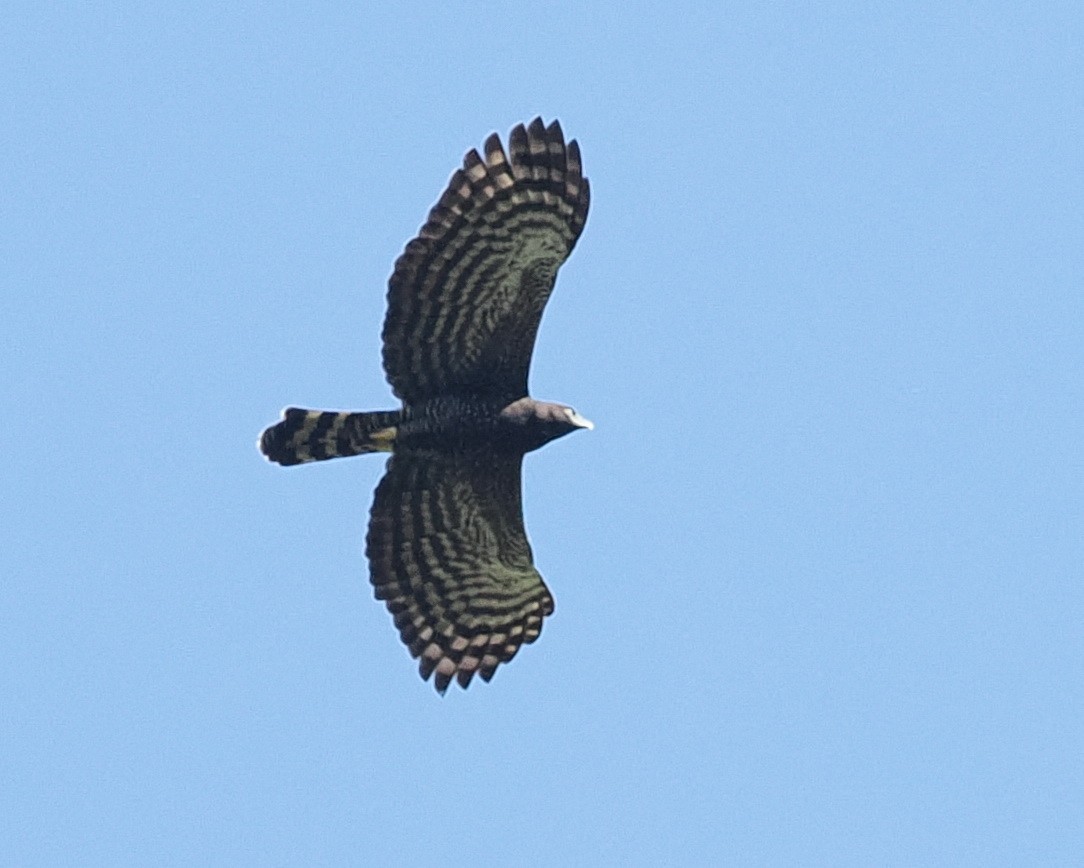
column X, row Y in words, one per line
column 449, row 555
column 467, row 294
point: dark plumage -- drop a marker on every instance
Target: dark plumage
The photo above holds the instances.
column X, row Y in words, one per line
column 446, row 544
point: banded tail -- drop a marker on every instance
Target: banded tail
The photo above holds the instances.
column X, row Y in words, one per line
column 314, row 435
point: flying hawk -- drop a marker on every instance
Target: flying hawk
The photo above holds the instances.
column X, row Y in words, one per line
column 447, row 549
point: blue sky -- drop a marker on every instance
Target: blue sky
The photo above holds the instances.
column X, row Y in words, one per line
column 817, row 570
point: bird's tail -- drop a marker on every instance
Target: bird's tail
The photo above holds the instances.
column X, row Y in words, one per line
column 313, row 435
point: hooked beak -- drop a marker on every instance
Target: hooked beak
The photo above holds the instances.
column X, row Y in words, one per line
column 580, row 422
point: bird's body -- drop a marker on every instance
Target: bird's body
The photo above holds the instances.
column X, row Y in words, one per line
column 446, row 544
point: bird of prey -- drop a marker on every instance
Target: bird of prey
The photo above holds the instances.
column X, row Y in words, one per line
column 447, row 549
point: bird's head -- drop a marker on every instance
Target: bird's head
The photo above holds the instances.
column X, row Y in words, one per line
column 535, row 423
